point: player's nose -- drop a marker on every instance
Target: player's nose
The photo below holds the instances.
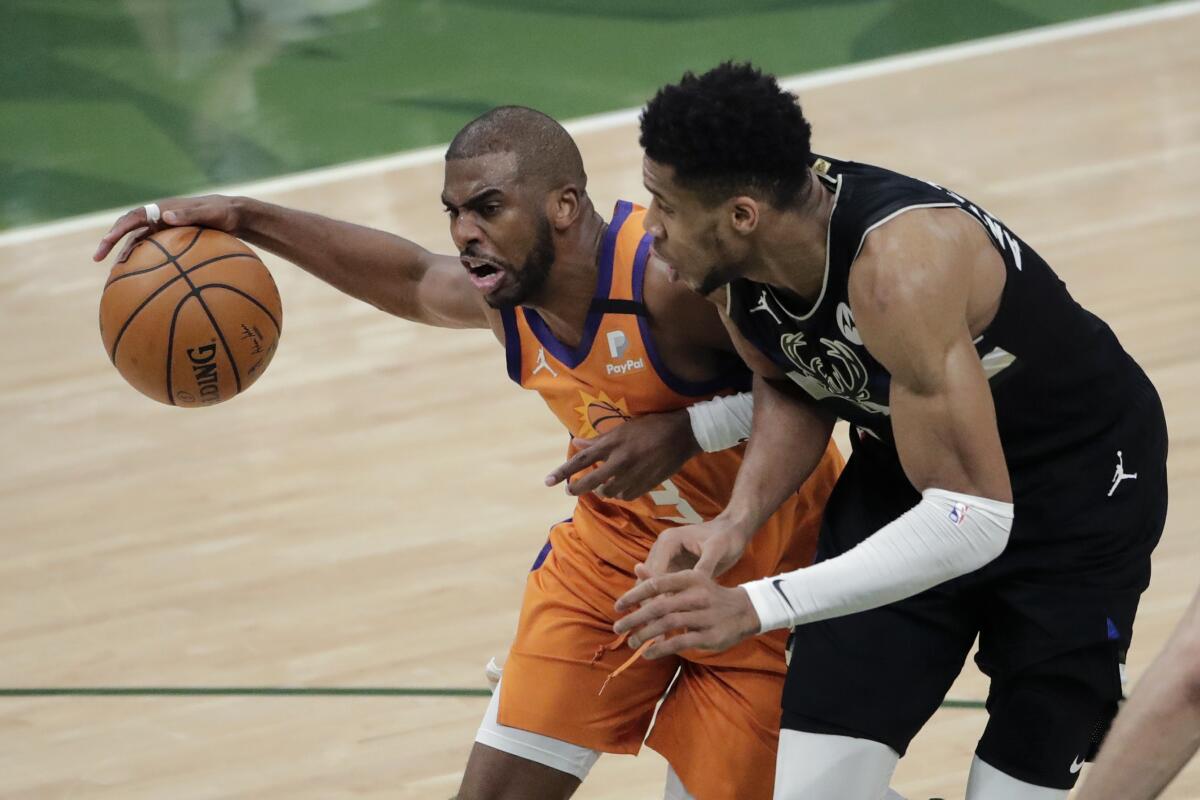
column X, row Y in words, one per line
column 464, row 232
column 651, row 224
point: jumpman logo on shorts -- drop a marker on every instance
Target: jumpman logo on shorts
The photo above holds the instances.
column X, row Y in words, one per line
column 1121, row 474
column 543, row 364
column 762, row 306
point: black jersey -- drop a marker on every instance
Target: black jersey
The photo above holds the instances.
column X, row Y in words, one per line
column 1058, row 375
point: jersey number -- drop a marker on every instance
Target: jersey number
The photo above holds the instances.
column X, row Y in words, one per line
column 668, row 495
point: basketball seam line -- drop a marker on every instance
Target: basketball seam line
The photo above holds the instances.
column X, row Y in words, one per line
column 171, row 347
column 182, row 252
column 250, row 297
column 167, row 284
column 237, row 378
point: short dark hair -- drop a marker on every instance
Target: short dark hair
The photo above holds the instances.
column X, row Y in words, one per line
column 543, row 148
column 729, row 130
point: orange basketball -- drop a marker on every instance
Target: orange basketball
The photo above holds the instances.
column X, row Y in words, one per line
column 191, row 318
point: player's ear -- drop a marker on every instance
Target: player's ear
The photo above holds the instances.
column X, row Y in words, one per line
column 743, row 214
column 566, row 204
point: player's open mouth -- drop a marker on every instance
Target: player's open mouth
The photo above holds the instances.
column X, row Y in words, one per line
column 672, row 275
column 485, row 276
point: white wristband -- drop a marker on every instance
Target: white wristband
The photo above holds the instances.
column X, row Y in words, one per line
column 722, row 422
column 945, row 535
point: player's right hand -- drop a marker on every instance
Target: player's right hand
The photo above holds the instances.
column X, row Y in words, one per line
column 209, row 211
column 711, row 548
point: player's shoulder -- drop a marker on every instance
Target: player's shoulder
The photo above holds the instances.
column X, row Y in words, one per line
column 910, row 259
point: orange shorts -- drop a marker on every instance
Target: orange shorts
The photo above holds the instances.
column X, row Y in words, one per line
column 718, row 725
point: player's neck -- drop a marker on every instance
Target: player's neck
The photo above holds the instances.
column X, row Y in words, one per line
column 791, row 252
column 567, row 296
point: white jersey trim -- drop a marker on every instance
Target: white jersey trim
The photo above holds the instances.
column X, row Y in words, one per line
column 837, row 193
column 893, row 215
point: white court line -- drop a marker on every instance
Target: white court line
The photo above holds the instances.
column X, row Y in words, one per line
column 629, row 116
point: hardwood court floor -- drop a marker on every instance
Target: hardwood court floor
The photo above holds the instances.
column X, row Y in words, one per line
column 366, row 514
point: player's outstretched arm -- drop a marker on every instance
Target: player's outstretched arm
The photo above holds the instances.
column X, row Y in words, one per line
column 390, row 273
column 1158, row 730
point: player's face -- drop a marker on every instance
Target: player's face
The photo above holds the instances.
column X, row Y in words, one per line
column 688, row 235
column 503, row 235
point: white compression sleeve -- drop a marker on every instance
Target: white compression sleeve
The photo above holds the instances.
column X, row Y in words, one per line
column 945, row 535
column 722, row 422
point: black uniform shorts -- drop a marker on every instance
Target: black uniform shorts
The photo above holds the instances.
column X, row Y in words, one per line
column 1053, row 613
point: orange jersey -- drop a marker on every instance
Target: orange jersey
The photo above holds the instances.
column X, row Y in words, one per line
column 613, row 374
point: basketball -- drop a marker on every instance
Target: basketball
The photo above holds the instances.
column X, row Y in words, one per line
column 191, row 318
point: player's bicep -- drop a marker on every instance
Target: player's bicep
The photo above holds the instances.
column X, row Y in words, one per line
column 910, row 310
column 944, row 422
column 445, row 297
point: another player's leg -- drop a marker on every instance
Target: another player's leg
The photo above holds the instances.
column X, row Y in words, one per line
column 508, row 763
column 547, row 722
column 859, row 687
column 1060, row 611
column 814, row 765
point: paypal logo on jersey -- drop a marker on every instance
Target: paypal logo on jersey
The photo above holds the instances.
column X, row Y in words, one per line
column 618, row 342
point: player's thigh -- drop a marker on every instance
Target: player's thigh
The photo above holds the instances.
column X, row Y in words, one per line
column 879, row 674
column 719, row 729
column 1055, row 654
column 508, row 762
column 565, row 649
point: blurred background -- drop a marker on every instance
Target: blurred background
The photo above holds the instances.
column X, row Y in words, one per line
column 106, row 103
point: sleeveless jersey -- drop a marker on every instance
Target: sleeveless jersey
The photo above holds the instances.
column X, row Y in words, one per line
column 614, row 374
column 1058, row 375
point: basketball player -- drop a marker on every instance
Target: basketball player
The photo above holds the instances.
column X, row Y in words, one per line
column 1158, row 730
column 1008, row 478
column 589, row 322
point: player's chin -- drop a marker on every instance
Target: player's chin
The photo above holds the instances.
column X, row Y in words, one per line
column 507, row 294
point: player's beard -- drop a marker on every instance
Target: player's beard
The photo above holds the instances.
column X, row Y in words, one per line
column 527, row 282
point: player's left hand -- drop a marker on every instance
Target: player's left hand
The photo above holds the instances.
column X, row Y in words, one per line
column 711, row 616
column 638, row 456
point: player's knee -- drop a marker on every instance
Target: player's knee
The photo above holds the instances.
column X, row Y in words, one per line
column 1042, row 729
column 817, row 766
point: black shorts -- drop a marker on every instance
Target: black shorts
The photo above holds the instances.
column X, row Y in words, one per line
column 1054, row 613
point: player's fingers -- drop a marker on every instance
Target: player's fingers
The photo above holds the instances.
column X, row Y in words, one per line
column 665, row 552
column 676, row 644
column 584, row 458
column 593, row 481
column 646, row 590
column 675, row 621
column 711, row 555
column 129, row 221
column 136, row 237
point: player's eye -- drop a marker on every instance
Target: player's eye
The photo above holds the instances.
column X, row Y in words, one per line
column 491, row 209
column 452, row 212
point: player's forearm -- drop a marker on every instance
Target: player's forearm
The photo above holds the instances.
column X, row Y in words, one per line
column 787, row 441
column 944, row 536
column 1158, row 730
column 371, row 265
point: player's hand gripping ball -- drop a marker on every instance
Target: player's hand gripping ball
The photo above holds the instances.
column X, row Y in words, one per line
column 191, row 318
